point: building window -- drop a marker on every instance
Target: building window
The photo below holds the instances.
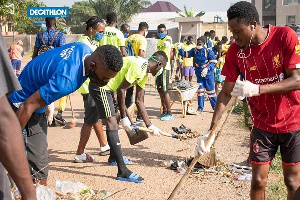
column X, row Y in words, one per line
column 291, row 2
column 269, row 5
column 290, row 19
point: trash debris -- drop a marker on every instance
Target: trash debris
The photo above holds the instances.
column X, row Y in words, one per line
column 45, row 193
column 181, row 85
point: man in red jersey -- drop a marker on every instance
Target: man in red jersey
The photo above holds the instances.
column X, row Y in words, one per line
column 269, row 59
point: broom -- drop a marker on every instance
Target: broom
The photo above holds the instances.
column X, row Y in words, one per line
column 210, row 137
column 73, row 122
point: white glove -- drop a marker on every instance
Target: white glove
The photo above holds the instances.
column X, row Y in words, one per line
column 178, row 46
column 156, row 131
column 50, row 113
column 221, row 60
column 126, row 124
column 245, row 88
column 204, row 72
column 201, row 146
column 167, row 44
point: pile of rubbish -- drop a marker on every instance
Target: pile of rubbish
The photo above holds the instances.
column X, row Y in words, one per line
column 66, row 190
column 185, row 133
column 181, row 85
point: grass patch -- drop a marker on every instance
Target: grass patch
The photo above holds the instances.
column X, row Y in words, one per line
column 28, row 53
column 238, row 109
column 276, row 188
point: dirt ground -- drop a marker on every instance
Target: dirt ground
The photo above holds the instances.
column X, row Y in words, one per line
column 149, row 155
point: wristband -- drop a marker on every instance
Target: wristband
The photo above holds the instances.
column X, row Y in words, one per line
column 148, row 125
column 123, row 116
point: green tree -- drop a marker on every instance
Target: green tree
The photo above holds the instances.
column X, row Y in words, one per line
column 125, row 9
column 190, row 13
column 79, row 13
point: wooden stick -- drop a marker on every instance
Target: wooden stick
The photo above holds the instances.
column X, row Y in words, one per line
column 210, row 137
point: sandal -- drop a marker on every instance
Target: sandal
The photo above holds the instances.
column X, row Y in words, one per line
column 126, row 161
column 135, row 178
column 88, row 158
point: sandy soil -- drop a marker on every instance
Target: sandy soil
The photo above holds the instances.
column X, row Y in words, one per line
column 148, row 156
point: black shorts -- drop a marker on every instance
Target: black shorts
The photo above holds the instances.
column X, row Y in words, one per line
column 90, row 110
column 105, row 102
column 35, row 136
column 264, row 145
column 162, row 81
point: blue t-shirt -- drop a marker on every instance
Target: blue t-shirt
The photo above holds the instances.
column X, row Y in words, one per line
column 48, row 35
column 55, row 73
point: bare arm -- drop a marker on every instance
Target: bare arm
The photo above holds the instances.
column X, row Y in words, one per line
column 33, row 103
column 222, row 100
column 290, row 84
column 12, row 151
column 121, row 92
column 141, row 53
column 139, row 100
column 35, row 52
column 123, row 51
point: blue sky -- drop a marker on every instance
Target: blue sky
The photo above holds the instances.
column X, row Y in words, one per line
column 198, row 5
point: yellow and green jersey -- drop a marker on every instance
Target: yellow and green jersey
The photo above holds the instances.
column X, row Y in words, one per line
column 134, row 71
column 112, row 36
column 84, row 89
column 188, row 62
column 167, row 50
column 138, row 42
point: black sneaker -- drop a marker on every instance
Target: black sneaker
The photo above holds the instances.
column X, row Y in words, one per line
column 58, row 119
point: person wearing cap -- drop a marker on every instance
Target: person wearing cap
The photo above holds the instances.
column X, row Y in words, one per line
column 16, row 53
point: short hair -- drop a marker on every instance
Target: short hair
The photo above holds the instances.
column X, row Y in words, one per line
column 224, row 38
column 143, row 25
column 124, row 27
column 93, row 21
column 202, row 38
column 217, row 38
column 50, row 21
column 110, row 56
column 244, row 11
column 161, row 26
column 212, row 32
column 111, row 17
column 161, row 56
column 190, row 37
column 207, row 33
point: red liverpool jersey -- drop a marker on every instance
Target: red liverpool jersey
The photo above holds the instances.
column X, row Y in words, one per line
column 266, row 64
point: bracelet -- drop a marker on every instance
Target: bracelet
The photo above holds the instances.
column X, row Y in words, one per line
column 123, row 116
column 148, row 125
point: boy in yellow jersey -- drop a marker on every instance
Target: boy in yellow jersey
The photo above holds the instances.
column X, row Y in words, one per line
column 139, row 45
column 162, row 81
column 112, row 35
column 188, row 68
column 134, row 72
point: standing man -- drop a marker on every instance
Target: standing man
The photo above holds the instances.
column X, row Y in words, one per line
column 50, row 76
column 222, row 49
column 139, row 44
column 12, row 152
column 94, row 33
column 16, row 53
column 125, row 29
column 52, row 39
column 112, row 35
column 188, row 68
column 208, row 42
column 162, row 81
column 134, row 72
column 269, row 59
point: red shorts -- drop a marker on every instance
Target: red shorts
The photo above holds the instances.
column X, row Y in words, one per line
column 264, row 145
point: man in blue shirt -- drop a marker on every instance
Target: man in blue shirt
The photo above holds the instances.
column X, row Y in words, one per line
column 50, row 76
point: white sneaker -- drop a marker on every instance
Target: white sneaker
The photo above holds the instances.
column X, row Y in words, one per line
column 104, row 150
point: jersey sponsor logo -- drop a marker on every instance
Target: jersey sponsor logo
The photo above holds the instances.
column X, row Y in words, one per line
column 109, row 34
column 273, row 79
column 297, row 49
column 277, row 61
column 253, row 68
column 65, row 54
column 144, row 65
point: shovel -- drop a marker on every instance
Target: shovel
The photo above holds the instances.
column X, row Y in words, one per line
column 136, row 136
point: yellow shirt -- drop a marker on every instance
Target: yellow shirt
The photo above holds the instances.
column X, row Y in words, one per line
column 112, row 36
column 188, row 62
column 138, row 42
column 134, row 70
column 167, row 50
column 84, row 89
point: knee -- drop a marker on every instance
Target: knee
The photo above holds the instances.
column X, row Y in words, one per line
column 291, row 183
column 258, row 183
